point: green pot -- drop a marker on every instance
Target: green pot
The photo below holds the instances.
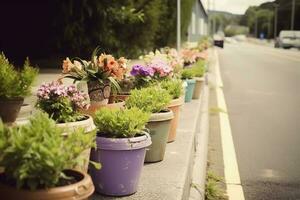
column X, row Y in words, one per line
column 159, row 126
column 189, row 90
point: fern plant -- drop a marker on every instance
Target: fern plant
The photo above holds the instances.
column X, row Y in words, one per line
column 152, row 99
column 121, row 123
column 15, row 83
column 173, row 86
column 35, row 155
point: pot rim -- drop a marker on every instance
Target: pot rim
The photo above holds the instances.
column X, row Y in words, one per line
column 192, row 80
column 86, row 180
column 105, row 143
column 82, row 123
column 176, row 102
column 18, row 99
column 163, row 116
column 199, row 78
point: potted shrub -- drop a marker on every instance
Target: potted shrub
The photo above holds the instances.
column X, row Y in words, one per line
column 121, row 148
column 198, row 69
column 154, row 100
column 62, row 104
column 174, row 88
column 14, row 86
column 187, row 75
column 37, row 162
column 100, row 72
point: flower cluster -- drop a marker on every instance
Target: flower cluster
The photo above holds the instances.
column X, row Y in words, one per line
column 191, row 56
column 161, row 67
column 101, row 67
column 174, row 57
column 140, row 70
column 62, row 103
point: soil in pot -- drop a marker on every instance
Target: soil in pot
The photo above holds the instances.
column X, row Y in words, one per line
column 88, row 126
column 122, row 161
column 159, row 126
column 198, row 87
column 189, row 90
column 175, row 108
column 10, row 108
column 81, row 189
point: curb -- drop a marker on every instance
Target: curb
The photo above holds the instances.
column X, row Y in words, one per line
column 197, row 189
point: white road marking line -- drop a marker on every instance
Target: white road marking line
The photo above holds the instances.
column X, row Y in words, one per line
column 231, row 170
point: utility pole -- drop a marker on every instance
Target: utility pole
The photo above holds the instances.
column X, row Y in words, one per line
column 293, row 14
column 256, row 24
column 275, row 20
column 178, row 25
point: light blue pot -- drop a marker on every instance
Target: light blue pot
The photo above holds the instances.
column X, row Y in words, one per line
column 189, row 90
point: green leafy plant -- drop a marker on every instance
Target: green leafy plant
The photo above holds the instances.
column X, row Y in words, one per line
column 173, row 86
column 15, row 83
column 198, row 68
column 35, row 155
column 212, row 189
column 151, row 99
column 187, row 73
column 121, row 123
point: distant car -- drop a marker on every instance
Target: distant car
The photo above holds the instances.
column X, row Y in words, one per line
column 219, row 40
column 288, row 39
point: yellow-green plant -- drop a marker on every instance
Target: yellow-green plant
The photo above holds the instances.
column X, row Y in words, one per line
column 173, row 86
column 35, row 155
column 121, row 123
column 15, row 83
column 152, row 99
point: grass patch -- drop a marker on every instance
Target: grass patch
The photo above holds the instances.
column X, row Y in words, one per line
column 212, row 187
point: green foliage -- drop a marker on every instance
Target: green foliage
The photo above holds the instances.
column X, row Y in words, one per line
column 121, row 123
column 151, row 99
column 173, row 86
column 14, row 83
column 212, row 189
column 198, row 68
column 187, row 73
column 35, row 155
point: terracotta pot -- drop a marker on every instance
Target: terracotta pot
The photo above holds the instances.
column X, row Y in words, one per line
column 122, row 161
column 10, row 108
column 99, row 92
column 174, row 106
column 80, row 190
column 71, row 127
column 198, row 87
column 159, row 126
column 96, row 106
column 118, row 97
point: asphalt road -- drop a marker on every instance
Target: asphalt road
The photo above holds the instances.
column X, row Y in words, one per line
column 261, row 87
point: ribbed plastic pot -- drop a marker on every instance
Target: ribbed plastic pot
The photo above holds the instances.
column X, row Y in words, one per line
column 10, row 108
column 198, row 87
column 174, row 106
column 80, row 190
column 189, row 89
column 69, row 128
column 159, row 126
column 122, row 160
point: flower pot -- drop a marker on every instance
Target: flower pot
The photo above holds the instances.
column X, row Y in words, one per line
column 79, row 190
column 122, row 160
column 189, row 89
column 159, row 126
column 99, row 92
column 94, row 106
column 198, row 87
column 118, row 97
column 88, row 126
column 174, row 106
column 10, row 108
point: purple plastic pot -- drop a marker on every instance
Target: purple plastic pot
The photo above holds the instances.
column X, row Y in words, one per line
column 122, row 160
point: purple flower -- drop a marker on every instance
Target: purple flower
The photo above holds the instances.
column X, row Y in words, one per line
column 146, row 71
column 135, row 70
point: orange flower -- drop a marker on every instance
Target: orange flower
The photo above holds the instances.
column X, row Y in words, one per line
column 67, row 65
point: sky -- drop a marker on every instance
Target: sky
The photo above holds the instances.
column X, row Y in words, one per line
column 233, row 6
